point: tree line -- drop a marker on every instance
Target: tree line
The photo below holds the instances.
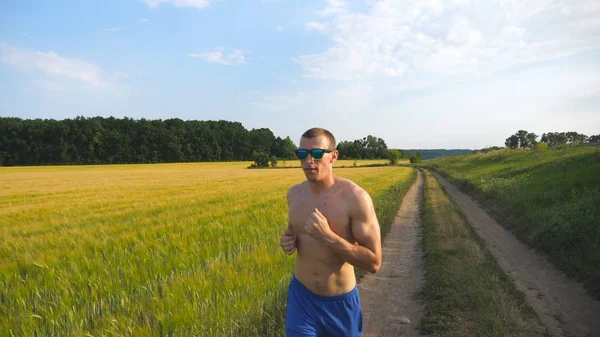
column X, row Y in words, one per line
column 369, row 147
column 525, row 139
column 100, row 140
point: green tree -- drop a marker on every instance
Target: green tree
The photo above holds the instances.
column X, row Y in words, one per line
column 416, row 157
column 521, row 139
column 554, row 139
column 99, row 140
column 394, row 156
column 369, row 147
column 261, row 140
column 512, row 142
column 284, row 148
column 261, row 159
column 526, row 139
column 575, row 138
column 562, row 139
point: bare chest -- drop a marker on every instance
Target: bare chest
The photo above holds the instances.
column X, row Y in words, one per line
column 332, row 208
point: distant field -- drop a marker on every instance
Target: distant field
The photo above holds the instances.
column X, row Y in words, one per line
column 164, row 249
column 550, row 200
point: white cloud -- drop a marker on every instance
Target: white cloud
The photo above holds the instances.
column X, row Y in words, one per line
column 350, row 100
column 436, row 38
column 144, row 20
column 461, row 33
column 555, row 96
column 179, row 3
column 59, row 67
column 279, row 28
column 334, row 7
column 218, row 55
column 313, row 25
column 514, row 31
column 115, row 29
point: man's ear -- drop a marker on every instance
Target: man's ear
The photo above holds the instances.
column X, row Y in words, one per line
column 335, row 155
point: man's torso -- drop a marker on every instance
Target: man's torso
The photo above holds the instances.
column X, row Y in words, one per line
column 318, row 267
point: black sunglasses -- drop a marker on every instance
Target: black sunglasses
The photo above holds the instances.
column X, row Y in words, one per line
column 315, row 153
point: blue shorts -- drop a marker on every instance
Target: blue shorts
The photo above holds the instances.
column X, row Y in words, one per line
column 309, row 314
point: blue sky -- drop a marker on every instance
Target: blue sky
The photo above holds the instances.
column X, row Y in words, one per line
column 419, row 74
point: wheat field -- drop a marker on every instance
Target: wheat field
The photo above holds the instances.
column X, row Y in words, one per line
column 149, row 250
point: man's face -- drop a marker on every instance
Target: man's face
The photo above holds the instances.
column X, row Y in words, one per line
column 317, row 169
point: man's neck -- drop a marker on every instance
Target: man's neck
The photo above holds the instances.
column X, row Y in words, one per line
column 317, row 187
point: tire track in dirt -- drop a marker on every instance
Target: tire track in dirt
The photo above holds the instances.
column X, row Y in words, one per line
column 389, row 297
column 562, row 304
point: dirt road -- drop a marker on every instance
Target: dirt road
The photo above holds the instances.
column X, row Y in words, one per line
column 562, row 304
column 389, row 297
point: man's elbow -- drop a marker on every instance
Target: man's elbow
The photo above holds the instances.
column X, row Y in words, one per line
column 375, row 266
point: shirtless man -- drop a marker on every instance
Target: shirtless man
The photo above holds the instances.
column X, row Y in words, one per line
column 333, row 227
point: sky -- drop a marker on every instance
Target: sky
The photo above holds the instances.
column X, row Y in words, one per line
column 425, row 74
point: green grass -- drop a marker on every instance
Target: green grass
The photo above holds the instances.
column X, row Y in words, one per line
column 550, row 200
column 387, row 204
column 465, row 292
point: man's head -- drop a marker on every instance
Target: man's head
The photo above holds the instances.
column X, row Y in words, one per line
column 317, row 153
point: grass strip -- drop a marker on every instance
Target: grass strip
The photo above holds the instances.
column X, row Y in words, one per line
column 466, row 293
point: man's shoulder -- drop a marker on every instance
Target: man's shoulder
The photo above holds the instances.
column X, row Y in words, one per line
column 349, row 185
column 352, row 189
column 295, row 189
column 357, row 199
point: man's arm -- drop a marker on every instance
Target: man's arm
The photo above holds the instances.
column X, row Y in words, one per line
column 365, row 228
column 288, row 238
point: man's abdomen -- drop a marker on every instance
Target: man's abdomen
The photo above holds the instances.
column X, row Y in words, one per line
column 321, row 270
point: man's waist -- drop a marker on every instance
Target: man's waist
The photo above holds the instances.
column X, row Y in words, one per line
column 327, row 286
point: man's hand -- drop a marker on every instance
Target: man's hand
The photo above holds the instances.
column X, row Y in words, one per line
column 317, row 226
column 288, row 241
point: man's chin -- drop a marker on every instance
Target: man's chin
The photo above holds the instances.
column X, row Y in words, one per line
column 311, row 176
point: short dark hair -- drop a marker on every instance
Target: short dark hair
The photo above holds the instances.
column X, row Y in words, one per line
column 316, row 132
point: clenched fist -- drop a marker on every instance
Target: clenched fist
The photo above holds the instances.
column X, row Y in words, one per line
column 288, row 241
column 317, row 226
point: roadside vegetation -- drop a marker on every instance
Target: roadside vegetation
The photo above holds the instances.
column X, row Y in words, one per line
column 550, row 199
column 466, row 293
